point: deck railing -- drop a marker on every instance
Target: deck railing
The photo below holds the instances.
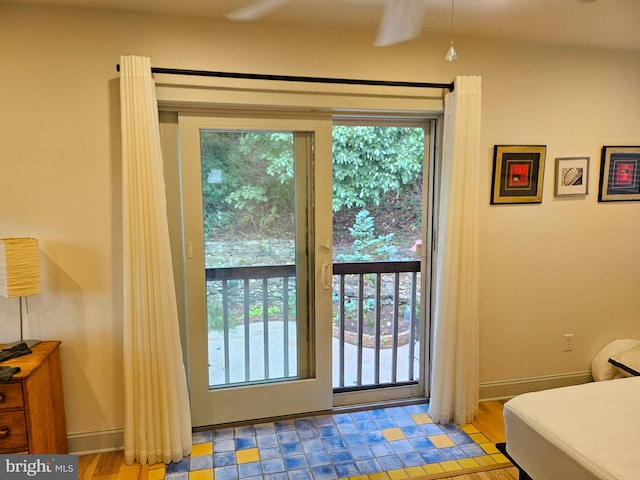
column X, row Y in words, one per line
column 253, row 334
column 376, row 312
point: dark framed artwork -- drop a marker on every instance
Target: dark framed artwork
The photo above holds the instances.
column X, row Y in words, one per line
column 572, row 176
column 518, row 173
column 619, row 174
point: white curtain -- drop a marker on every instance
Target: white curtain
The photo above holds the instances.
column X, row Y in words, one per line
column 157, row 414
column 454, row 388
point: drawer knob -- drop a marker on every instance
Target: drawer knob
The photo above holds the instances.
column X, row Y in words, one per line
column 4, row 431
column 2, row 397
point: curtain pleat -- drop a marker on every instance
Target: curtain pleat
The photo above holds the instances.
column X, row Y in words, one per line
column 454, row 390
column 157, row 414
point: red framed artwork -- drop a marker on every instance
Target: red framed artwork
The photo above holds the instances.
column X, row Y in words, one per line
column 518, row 171
column 619, row 174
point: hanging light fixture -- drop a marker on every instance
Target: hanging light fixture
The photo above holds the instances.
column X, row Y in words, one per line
column 451, row 53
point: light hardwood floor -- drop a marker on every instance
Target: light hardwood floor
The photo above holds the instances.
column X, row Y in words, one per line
column 110, row 466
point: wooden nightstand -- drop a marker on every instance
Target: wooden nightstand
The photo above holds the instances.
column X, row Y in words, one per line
column 32, row 418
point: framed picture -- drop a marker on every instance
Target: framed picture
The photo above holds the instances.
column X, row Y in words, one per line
column 518, row 172
column 619, row 174
column 572, row 176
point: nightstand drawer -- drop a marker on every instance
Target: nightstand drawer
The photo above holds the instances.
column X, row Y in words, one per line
column 10, row 396
column 13, row 431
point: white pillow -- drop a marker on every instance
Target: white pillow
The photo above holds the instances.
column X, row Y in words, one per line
column 627, row 363
column 601, row 369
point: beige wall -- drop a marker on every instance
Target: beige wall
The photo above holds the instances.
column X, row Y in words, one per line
column 565, row 266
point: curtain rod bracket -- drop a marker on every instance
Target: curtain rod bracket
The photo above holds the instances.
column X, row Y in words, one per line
column 294, row 78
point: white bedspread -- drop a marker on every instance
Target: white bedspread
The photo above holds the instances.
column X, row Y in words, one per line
column 583, row 432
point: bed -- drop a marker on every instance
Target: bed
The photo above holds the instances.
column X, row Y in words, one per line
column 582, row 432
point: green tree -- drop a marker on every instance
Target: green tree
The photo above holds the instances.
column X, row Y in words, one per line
column 366, row 245
column 248, row 176
column 247, row 182
column 369, row 162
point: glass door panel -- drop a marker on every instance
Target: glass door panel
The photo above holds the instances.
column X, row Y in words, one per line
column 381, row 172
column 248, row 186
column 255, row 336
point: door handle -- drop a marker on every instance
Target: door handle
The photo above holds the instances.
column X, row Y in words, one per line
column 326, row 275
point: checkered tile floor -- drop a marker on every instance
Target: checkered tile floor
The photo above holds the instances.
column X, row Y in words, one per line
column 402, row 442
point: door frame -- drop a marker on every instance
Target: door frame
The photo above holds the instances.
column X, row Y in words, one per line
column 178, row 95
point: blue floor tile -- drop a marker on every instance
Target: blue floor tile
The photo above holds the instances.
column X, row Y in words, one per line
column 472, row 450
column 385, row 422
column 202, row 463
column 304, row 474
column 243, row 443
column 432, row 456
column 412, row 431
column 265, row 429
column 268, row 440
column 374, row 437
column 390, row 462
column 310, row 446
column 288, row 437
column 402, row 446
column 202, row 437
column 247, row 470
column 404, row 421
column 324, row 472
column 227, row 445
column 270, row 452
column 328, row 431
column 276, row 476
column 452, row 453
column 182, row 466
column 222, row 459
column 361, row 452
column 421, row 443
column 318, row 458
column 354, row 439
column 177, row 476
column 347, row 469
column 295, row 462
column 334, row 442
column 368, row 466
column 223, row 434
column 412, row 459
column 273, row 465
column 347, row 428
column 382, row 449
column 338, row 456
column 226, row 473
column 460, row 438
column 289, row 449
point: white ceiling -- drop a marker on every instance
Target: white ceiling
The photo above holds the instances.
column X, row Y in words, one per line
column 596, row 23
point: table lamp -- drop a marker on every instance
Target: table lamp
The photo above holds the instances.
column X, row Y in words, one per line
column 20, row 273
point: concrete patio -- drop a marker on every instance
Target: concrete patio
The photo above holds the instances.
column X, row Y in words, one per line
column 276, row 360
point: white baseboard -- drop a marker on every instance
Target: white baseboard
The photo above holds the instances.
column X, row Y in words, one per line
column 97, row 441
column 506, row 389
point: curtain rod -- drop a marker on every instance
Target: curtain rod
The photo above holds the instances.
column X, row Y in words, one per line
column 293, row 78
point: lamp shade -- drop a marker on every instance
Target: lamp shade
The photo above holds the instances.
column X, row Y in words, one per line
column 19, row 267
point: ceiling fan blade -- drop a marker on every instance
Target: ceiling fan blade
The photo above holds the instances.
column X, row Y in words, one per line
column 256, row 10
column 401, row 21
